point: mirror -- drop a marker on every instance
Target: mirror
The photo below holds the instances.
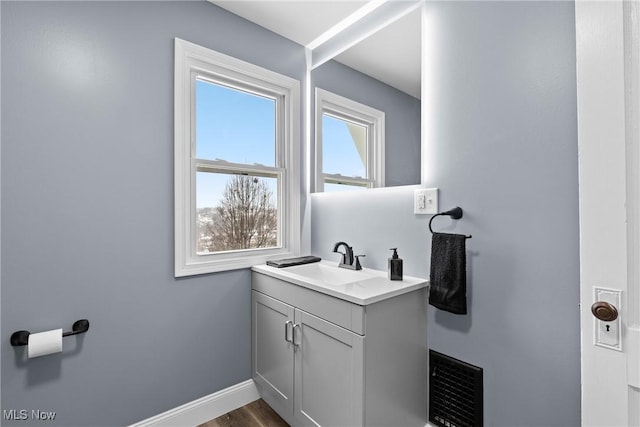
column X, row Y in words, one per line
column 381, row 72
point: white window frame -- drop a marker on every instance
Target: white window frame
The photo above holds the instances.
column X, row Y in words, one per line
column 193, row 61
column 350, row 110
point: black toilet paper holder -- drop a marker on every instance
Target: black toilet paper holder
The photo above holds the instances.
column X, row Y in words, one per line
column 19, row 338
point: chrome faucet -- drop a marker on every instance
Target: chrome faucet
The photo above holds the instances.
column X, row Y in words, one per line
column 347, row 257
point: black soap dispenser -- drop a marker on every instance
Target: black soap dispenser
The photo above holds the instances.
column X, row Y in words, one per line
column 395, row 265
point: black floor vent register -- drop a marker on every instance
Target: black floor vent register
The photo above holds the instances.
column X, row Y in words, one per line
column 455, row 392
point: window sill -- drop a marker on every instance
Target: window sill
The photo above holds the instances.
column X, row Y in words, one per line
column 209, row 265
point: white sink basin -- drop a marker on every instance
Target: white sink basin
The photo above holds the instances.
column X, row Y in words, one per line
column 361, row 287
column 329, row 275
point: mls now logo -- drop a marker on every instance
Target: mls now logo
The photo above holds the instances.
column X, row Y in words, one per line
column 23, row 414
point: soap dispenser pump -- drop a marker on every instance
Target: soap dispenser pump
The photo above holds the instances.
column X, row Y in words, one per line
column 395, row 265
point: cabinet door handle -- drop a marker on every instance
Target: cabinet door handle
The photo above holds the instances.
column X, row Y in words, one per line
column 286, row 331
column 293, row 335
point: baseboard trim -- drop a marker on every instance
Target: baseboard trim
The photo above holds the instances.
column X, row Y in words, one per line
column 206, row 408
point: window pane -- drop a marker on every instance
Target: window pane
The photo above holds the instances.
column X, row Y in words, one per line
column 344, row 147
column 236, row 212
column 333, row 188
column 234, row 125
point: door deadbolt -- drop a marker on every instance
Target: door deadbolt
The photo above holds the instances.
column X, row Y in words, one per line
column 604, row 311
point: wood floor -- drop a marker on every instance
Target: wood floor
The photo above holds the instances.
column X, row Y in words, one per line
column 255, row 414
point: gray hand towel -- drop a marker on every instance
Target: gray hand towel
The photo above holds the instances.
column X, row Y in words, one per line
column 448, row 278
column 290, row 262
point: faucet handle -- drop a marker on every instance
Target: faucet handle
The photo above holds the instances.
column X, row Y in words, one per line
column 357, row 257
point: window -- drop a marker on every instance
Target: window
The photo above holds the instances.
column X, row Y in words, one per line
column 236, row 162
column 349, row 144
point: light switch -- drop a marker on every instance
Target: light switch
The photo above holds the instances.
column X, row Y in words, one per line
column 425, row 201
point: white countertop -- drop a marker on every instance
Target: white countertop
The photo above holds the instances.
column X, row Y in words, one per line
column 360, row 287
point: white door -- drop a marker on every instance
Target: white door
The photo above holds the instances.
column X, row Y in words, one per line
column 608, row 75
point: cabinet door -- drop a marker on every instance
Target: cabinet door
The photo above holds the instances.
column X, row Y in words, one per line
column 272, row 358
column 329, row 373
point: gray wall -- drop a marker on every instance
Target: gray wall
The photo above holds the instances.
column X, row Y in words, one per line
column 87, row 210
column 402, row 117
column 503, row 146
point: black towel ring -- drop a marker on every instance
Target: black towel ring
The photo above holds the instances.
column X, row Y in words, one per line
column 455, row 213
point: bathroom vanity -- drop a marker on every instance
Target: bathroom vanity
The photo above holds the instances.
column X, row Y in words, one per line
column 335, row 347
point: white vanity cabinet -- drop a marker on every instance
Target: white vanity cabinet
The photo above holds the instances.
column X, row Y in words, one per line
column 318, row 359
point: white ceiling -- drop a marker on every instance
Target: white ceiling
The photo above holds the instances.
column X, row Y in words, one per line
column 391, row 55
column 299, row 20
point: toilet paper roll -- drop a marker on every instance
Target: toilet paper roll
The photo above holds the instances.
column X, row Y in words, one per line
column 44, row 343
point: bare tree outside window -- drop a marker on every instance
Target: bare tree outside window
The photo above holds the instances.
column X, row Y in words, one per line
column 246, row 217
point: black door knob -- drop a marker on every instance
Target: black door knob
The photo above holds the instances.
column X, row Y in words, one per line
column 604, row 311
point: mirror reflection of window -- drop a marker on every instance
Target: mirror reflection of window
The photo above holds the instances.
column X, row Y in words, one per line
column 350, row 142
column 344, row 148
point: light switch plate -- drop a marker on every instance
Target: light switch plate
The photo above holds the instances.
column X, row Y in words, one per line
column 425, row 201
column 608, row 334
